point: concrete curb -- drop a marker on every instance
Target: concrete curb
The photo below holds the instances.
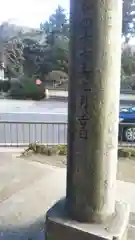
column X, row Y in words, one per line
column 58, row 98
column 12, row 149
column 65, row 99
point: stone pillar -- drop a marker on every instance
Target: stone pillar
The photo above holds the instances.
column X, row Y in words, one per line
column 89, row 210
column 94, row 92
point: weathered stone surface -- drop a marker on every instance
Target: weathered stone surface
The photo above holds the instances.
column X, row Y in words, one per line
column 93, row 117
column 59, row 226
column 95, row 50
column 131, row 233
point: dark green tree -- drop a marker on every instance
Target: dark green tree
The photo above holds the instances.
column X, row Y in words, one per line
column 57, row 38
column 37, row 57
column 40, row 59
column 128, row 62
column 57, row 23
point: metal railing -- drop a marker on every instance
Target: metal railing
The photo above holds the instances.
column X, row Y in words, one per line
column 16, row 134
column 23, row 133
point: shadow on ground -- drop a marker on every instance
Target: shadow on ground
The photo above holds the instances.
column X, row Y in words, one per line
column 34, row 231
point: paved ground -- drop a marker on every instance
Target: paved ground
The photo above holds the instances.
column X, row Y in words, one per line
column 27, row 190
column 28, row 187
column 46, row 111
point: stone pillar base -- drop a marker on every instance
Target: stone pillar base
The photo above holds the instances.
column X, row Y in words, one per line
column 60, row 227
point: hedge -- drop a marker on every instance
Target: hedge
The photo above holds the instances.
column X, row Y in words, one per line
column 27, row 89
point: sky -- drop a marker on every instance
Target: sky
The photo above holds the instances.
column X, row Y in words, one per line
column 29, row 12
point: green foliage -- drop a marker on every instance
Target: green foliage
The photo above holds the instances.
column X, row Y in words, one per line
column 128, row 26
column 126, row 152
column 57, row 23
column 28, row 55
column 23, row 54
column 41, row 59
column 57, row 39
column 37, row 148
column 128, row 62
column 128, row 82
column 27, row 89
column 37, row 59
column 4, row 86
column 128, row 69
column 61, row 150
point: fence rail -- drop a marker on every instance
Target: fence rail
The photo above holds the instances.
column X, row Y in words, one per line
column 16, row 134
column 23, row 133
